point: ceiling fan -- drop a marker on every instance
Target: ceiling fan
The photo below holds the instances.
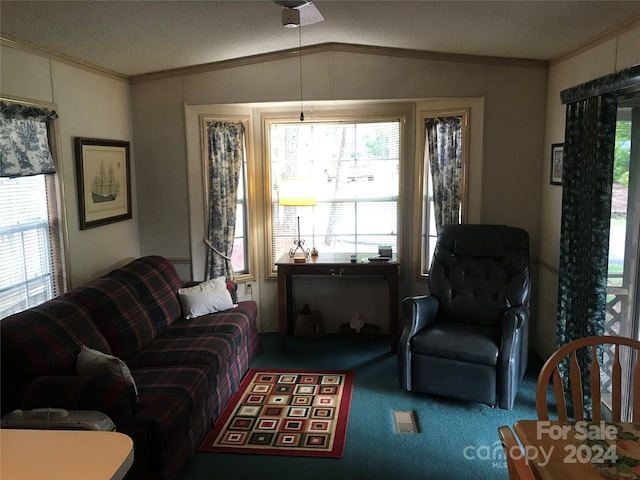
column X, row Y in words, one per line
column 299, row 12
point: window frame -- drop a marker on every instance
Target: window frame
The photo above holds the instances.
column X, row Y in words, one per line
column 325, row 117
column 422, row 172
column 59, row 220
column 248, row 187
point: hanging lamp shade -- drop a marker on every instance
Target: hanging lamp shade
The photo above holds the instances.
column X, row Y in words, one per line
column 290, row 17
column 297, row 192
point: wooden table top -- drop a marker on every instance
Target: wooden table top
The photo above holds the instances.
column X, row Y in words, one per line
column 64, row 454
column 581, row 450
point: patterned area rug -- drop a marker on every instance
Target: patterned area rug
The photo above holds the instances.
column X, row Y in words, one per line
column 284, row 412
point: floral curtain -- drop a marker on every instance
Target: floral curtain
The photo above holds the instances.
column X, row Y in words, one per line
column 444, row 142
column 24, row 145
column 586, row 211
column 225, row 141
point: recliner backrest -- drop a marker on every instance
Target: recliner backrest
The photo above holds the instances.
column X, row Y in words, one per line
column 480, row 271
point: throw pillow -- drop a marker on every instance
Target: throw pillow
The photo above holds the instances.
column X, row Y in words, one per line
column 93, row 363
column 207, row 297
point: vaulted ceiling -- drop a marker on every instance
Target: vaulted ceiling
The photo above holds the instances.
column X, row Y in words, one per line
column 137, row 37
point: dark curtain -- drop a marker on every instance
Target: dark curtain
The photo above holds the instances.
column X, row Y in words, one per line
column 586, row 213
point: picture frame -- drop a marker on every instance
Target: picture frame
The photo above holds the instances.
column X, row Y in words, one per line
column 103, row 180
column 557, row 153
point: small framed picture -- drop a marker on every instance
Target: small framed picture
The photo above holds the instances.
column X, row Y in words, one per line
column 104, row 183
column 557, row 151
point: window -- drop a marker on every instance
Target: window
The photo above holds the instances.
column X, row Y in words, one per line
column 30, row 240
column 441, row 179
column 26, row 250
column 240, row 257
column 353, row 169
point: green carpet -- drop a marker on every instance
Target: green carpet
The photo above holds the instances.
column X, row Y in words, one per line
column 457, row 440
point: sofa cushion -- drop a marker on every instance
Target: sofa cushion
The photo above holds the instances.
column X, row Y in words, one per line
column 207, row 297
column 46, row 340
column 171, row 420
column 118, row 313
column 238, row 324
column 156, row 282
column 210, row 351
column 93, row 363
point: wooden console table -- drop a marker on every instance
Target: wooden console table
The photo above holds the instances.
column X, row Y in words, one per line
column 337, row 264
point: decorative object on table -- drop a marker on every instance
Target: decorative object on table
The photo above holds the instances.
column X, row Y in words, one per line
column 357, row 322
column 557, row 153
column 284, row 412
column 309, row 323
column 621, row 450
column 314, row 252
column 297, row 192
column 104, row 181
column 385, row 251
column 367, row 333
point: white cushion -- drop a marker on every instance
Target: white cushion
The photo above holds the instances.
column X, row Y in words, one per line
column 207, row 297
column 93, row 363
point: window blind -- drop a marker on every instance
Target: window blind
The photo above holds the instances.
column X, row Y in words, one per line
column 26, row 251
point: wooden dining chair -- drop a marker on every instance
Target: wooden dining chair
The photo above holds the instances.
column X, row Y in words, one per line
column 517, row 466
column 550, row 372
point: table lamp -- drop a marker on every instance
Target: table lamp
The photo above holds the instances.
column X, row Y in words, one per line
column 297, row 192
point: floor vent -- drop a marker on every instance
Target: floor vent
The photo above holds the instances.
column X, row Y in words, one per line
column 405, row 421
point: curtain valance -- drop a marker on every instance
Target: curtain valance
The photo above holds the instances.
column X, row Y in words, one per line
column 613, row 83
column 24, row 143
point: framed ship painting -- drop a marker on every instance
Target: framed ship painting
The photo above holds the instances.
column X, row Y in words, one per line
column 104, row 181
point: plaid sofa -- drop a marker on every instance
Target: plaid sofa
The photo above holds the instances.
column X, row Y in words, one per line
column 185, row 370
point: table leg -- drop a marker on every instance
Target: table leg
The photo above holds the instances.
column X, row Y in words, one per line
column 393, row 311
column 282, row 310
column 289, row 292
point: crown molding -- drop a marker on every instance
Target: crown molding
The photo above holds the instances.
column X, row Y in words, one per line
column 594, row 42
column 17, row 44
column 337, row 47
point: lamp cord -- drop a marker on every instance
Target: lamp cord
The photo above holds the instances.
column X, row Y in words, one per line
column 300, row 65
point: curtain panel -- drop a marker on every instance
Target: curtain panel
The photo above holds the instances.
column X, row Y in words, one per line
column 586, row 211
column 24, row 143
column 444, row 142
column 586, row 214
column 225, row 141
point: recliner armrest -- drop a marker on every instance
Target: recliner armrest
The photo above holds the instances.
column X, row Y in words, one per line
column 516, row 317
column 419, row 312
column 514, row 350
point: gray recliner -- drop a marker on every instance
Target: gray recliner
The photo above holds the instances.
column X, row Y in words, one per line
column 468, row 339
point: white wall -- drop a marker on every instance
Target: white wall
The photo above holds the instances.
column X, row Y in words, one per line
column 613, row 55
column 89, row 105
column 508, row 181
